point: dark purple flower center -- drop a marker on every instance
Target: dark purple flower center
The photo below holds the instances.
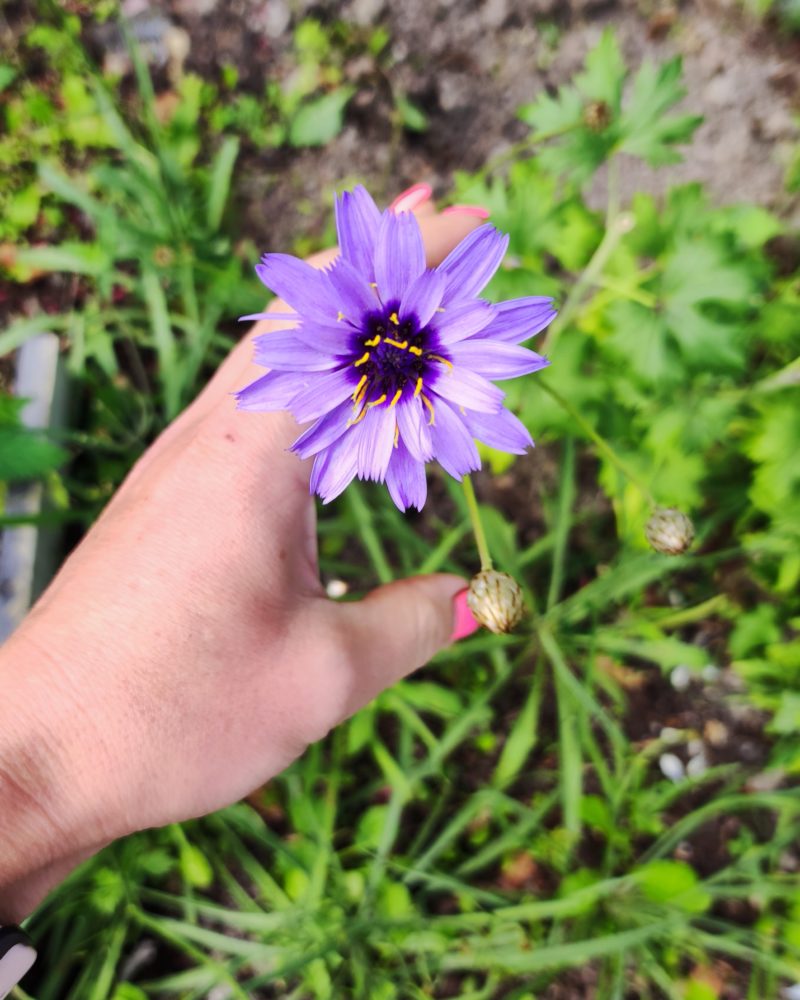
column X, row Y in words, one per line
column 394, row 359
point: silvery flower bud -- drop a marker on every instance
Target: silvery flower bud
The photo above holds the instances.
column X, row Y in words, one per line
column 495, row 600
column 669, row 531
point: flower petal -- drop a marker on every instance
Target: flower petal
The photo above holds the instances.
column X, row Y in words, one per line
column 281, row 349
column 303, row 287
column 466, row 388
column 405, row 479
column 501, row 430
column 463, row 320
column 471, row 265
column 335, row 468
column 357, row 221
column 325, row 391
column 414, row 429
column 494, row 359
column 270, row 315
column 518, row 319
column 376, row 443
column 324, row 432
column 327, row 338
column 399, row 255
column 273, row 391
column 352, row 290
column 422, row 297
column 453, row 446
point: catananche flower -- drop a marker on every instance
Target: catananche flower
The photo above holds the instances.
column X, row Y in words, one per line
column 391, row 362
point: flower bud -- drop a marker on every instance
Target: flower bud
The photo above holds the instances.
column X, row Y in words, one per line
column 669, row 531
column 495, row 600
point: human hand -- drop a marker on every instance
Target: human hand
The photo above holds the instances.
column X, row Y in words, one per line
column 187, row 652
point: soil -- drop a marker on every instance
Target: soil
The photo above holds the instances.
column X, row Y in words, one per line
column 469, row 65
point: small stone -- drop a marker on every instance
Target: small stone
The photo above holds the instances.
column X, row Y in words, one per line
column 366, row 12
column 672, row 767
column 274, row 18
column 767, row 781
column 669, row 734
column 681, row 677
column 697, row 766
column 715, row 733
column 694, row 747
column 710, row 673
column 336, row 588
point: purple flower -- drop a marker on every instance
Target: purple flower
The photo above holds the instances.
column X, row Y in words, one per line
column 391, row 362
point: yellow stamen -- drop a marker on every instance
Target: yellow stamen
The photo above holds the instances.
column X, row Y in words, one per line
column 362, row 383
column 402, row 345
column 339, row 316
column 441, row 309
column 394, row 319
column 378, row 401
column 373, row 284
column 444, row 361
column 395, row 398
column 416, row 350
column 362, row 360
column 429, row 404
column 418, row 389
column 374, row 342
column 396, row 434
column 361, row 415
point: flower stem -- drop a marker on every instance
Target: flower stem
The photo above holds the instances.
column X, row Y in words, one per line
column 617, row 228
column 600, row 441
column 477, row 526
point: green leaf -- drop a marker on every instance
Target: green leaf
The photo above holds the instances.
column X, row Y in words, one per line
column 7, row 76
column 69, row 257
column 195, row 866
column 522, row 738
column 22, row 208
column 647, row 130
column 26, row 454
column 319, row 120
column 787, row 717
column 605, row 72
column 220, row 181
column 426, row 696
column 412, row 117
column 673, row 882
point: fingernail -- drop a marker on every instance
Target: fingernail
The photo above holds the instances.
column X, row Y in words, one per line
column 477, row 210
column 463, row 622
column 411, row 198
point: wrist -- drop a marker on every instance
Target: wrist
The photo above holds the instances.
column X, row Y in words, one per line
column 49, row 794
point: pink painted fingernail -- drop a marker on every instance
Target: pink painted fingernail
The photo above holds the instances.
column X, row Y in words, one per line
column 463, row 622
column 477, row 210
column 411, row 198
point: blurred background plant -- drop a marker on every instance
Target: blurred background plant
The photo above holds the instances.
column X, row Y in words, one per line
column 604, row 805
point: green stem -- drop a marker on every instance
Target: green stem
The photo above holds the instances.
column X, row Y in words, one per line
column 601, row 442
column 477, row 526
column 369, row 536
column 525, row 145
column 614, row 233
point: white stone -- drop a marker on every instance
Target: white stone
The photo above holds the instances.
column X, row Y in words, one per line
column 672, row 767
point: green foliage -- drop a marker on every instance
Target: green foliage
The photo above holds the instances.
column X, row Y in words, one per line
column 500, row 820
column 589, row 121
column 24, row 453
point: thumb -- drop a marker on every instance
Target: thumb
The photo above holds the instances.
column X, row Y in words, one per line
column 399, row 627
